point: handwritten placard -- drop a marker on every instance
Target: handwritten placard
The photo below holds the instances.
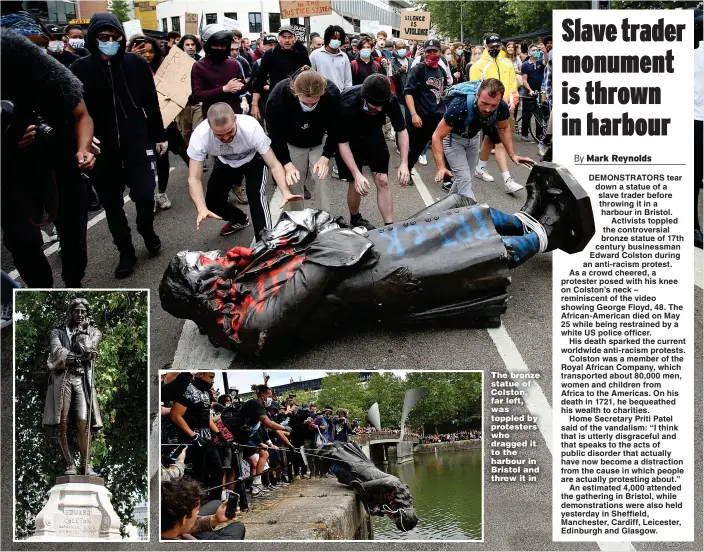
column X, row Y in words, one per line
column 304, row 8
column 191, row 23
column 173, row 83
column 132, row 28
column 415, row 25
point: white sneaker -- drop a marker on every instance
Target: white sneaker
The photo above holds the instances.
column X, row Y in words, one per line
column 422, row 160
column 335, row 172
column 481, row 172
column 542, row 150
column 162, row 201
column 512, row 186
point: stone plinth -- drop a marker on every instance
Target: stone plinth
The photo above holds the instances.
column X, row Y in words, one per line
column 78, row 509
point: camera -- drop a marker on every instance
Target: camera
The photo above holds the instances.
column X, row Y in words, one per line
column 15, row 123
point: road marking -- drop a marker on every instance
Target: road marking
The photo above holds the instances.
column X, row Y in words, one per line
column 422, row 188
column 534, row 399
column 49, row 251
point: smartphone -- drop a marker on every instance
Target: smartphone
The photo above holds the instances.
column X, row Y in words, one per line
column 177, row 452
column 233, row 501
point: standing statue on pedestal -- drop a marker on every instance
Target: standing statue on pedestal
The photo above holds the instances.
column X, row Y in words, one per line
column 71, row 397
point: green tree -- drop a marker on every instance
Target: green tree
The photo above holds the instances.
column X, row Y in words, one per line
column 515, row 17
column 344, row 390
column 119, row 452
column 477, row 18
column 121, row 8
column 451, row 396
column 387, row 390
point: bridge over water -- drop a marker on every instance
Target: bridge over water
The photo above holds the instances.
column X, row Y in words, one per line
column 376, row 446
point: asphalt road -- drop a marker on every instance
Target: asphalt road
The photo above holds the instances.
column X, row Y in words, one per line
column 517, row 517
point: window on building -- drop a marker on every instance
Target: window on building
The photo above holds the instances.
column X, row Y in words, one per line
column 176, row 24
column 293, row 21
column 164, row 25
column 255, row 22
column 211, row 18
column 231, row 15
column 274, row 22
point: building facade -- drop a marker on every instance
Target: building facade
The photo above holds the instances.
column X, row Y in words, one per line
column 256, row 17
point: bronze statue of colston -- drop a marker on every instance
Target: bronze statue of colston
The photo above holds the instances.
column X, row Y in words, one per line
column 71, row 397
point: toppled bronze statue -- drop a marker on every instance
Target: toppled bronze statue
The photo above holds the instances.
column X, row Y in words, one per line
column 448, row 264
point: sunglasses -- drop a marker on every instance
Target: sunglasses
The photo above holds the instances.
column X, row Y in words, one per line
column 106, row 37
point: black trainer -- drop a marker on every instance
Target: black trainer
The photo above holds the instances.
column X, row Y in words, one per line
column 126, row 265
column 361, row 221
column 152, row 242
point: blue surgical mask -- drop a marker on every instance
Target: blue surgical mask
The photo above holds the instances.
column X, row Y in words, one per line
column 365, row 53
column 448, row 57
column 307, row 108
column 109, row 48
column 402, row 52
column 364, row 106
column 335, row 44
column 459, row 51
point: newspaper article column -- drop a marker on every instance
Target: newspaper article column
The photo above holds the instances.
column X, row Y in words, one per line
column 623, row 308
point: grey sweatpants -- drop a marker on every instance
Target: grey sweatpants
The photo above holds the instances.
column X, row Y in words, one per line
column 462, row 155
column 304, row 159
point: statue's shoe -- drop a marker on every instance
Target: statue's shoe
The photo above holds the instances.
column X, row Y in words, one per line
column 555, row 220
column 574, row 205
column 91, row 471
column 71, row 470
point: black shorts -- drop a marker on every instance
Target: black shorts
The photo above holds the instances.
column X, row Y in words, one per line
column 372, row 151
column 493, row 135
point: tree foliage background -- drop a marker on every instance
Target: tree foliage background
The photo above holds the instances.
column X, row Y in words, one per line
column 515, row 17
column 453, row 398
column 121, row 8
column 121, row 369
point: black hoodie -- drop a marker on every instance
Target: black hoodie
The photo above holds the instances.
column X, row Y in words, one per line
column 120, row 96
column 279, row 64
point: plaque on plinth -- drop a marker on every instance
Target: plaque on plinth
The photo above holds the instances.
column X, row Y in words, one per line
column 78, row 509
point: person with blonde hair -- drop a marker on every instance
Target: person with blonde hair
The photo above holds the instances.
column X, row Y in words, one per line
column 456, row 62
column 301, row 112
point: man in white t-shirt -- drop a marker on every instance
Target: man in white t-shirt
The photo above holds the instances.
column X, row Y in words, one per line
column 241, row 150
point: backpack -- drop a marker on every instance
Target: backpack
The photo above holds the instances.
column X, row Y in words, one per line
column 355, row 69
column 469, row 90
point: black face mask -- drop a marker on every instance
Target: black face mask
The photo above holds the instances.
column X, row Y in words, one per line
column 201, row 385
column 494, row 53
column 218, row 55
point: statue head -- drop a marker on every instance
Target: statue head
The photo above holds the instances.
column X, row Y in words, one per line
column 77, row 312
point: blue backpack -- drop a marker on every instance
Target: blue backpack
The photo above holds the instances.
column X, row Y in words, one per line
column 468, row 89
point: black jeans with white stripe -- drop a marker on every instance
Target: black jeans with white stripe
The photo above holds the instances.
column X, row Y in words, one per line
column 221, row 181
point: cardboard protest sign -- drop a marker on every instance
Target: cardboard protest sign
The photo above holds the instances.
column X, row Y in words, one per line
column 230, row 24
column 191, row 23
column 173, row 83
column 132, row 28
column 304, row 8
column 415, row 25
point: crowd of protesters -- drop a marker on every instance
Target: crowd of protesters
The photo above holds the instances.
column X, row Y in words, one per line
column 314, row 113
column 464, row 435
column 258, row 441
